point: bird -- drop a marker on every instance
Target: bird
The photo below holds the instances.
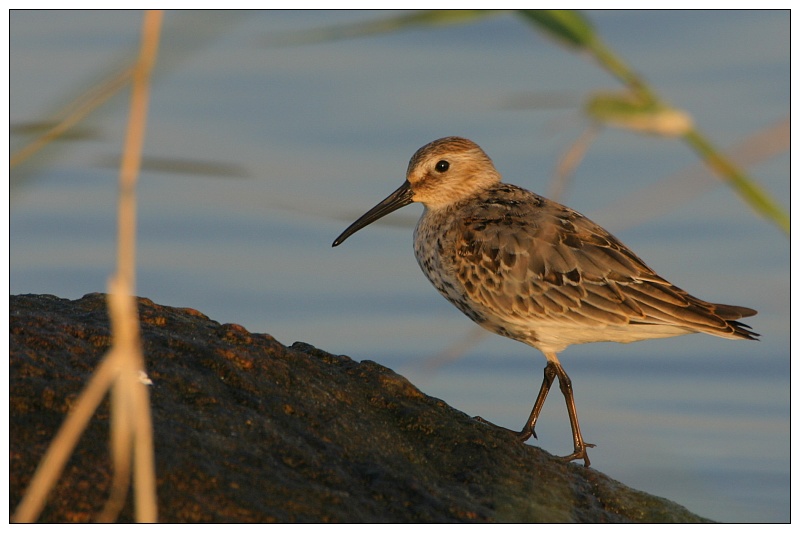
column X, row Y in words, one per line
column 533, row 270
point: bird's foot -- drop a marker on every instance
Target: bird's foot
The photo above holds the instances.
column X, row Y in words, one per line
column 522, row 436
column 579, row 453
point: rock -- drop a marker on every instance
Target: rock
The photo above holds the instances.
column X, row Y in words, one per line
column 249, row 430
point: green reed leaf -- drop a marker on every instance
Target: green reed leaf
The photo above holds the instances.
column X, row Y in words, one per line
column 627, row 110
column 568, row 26
column 433, row 18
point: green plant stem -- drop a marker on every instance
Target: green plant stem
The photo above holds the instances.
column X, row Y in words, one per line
column 622, row 71
column 758, row 199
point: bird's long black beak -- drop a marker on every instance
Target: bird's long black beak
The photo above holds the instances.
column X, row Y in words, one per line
column 399, row 198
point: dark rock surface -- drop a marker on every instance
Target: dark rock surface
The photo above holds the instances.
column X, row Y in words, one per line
column 249, row 430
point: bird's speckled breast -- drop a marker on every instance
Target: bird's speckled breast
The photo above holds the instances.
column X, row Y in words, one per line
column 435, row 249
column 447, row 254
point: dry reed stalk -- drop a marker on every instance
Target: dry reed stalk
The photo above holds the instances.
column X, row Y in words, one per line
column 122, row 368
column 570, row 160
column 73, row 113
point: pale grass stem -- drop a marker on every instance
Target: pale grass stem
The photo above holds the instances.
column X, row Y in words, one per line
column 120, row 370
column 73, row 113
column 570, row 160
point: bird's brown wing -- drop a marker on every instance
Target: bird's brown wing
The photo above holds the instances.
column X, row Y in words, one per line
column 553, row 264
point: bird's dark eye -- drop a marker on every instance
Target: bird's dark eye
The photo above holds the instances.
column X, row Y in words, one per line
column 442, row 166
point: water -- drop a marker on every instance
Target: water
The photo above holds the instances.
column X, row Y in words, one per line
column 271, row 151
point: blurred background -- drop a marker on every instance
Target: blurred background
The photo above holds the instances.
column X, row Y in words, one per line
column 270, row 132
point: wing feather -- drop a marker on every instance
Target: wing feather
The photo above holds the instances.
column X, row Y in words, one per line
column 553, row 264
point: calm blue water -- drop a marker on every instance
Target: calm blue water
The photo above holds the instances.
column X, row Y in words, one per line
column 300, row 140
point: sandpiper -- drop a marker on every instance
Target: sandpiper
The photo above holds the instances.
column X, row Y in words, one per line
column 533, row 270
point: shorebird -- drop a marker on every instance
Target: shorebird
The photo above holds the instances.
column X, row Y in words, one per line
column 533, row 270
